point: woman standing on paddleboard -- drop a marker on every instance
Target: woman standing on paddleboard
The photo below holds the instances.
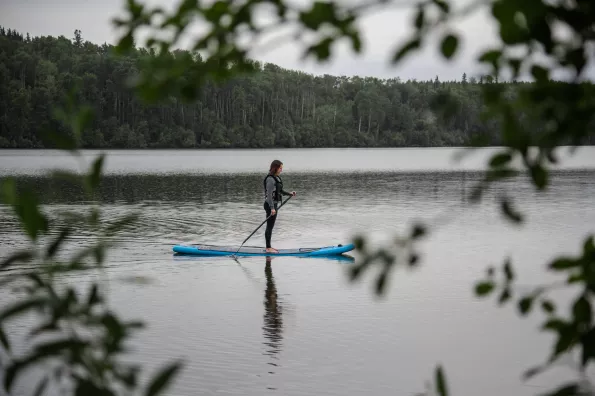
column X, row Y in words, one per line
column 273, row 192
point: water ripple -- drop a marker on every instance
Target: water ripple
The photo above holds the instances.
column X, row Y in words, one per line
column 293, row 326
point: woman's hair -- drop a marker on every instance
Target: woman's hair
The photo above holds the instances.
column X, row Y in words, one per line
column 275, row 165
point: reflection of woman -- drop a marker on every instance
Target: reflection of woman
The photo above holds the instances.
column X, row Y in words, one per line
column 273, row 324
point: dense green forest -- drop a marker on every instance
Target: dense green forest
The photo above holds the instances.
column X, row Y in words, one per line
column 273, row 107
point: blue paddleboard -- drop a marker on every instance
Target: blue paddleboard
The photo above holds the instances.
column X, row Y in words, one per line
column 213, row 250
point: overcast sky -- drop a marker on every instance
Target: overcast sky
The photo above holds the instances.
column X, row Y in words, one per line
column 382, row 31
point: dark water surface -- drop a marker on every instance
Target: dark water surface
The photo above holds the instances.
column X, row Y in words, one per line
column 292, row 326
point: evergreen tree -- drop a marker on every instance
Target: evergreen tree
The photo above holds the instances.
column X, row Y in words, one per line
column 273, row 107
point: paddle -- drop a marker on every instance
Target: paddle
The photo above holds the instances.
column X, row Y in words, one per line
column 261, row 224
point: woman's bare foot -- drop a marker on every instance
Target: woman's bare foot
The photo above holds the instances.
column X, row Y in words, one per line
column 272, row 250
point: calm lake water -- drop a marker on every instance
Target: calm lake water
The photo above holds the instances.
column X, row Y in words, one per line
column 298, row 326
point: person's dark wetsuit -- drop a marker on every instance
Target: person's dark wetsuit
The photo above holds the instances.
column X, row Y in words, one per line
column 273, row 191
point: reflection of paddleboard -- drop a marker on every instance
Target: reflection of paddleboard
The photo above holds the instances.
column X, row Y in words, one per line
column 213, row 250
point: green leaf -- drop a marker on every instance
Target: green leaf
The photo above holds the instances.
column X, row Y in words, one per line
column 406, row 48
column 548, row 306
column 525, row 304
column 556, row 324
column 510, row 32
column 574, row 278
column 566, row 339
column 189, row 92
column 504, row 296
column 36, row 278
column 449, row 45
column 53, row 248
column 320, row 13
column 95, row 175
column 540, row 31
column 577, row 58
column 99, row 254
column 420, row 17
column 4, row 339
column 217, row 11
column 539, row 176
column 47, row 327
column 504, row 11
column 443, row 5
column 359, row 243
column 413, row 259
column 441, row 387
column 125, row 44
column 41, row 386
column 163, row 378
column 540, row 74
column 508, row 270
column 564, row 263
column 60, row 140
column 511, row 213
column 589, row 247
column 582, row 311
column 551, row 157
column 418, row 231
column 16, row 257
column 588, row 344
column 12, row 371
column 493, row 96
column 85, row 387
column 134, row 8
column 381, row 282
column 10, row 374
column 322, row 50
column 515, row 65
column 21, row 306
column 8, row 194
column 129, row 376
column 484, row 288
column 492, row 57
column 26, row 208
column 356, row 41
column 52, row 348
column 500, row 159
column 477, row 192
column 94, row 297
column 532, row 372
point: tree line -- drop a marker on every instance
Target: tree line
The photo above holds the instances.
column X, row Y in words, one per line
column 273, row 107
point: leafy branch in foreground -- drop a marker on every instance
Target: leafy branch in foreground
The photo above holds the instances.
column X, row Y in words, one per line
column 228, row 23
column 577, row 330
column 528, row 45
column 78, row 340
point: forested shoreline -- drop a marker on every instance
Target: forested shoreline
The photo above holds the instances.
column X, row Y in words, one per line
column 272, row 107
